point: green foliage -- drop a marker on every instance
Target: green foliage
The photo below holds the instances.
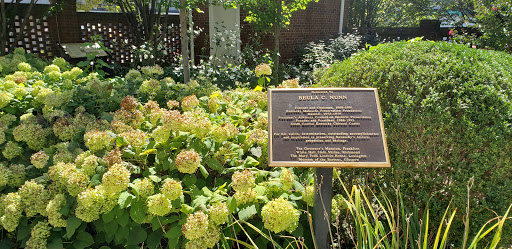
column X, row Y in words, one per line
column 494, row 18
column 266, row 14
column 86, row 165
column 388, row 13
column 9, row 63
column 92, row 63
column 324, row 53
column 381, row 222
column 447, row 113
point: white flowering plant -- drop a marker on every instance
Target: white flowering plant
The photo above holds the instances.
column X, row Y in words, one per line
column 160, row 171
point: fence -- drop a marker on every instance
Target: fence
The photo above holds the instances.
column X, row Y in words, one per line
column 319, row 21
column 429, row 29
column 43, row 33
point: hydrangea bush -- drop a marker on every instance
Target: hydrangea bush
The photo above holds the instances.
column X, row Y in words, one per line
column 165, row 169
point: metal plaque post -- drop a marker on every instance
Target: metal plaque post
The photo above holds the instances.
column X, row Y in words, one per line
column 322, row 208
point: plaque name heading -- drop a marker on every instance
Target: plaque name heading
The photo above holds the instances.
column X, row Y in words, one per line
column 326, row 127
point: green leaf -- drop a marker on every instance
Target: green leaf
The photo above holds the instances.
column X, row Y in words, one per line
column 83, row 240
column 155, row 178
column 122, row 234
column 261, row 82
column 247, row 213
column 296, row 196
column 250, row 161
column 215, row 165
column 123, row 218
column 137, row 212
column 186, row 209
column 121, row 141
column 108, row 217
column 55, row 243
column 72, row 224
column 96, row 180
column 207, row 191
column 23, row 232
column 174, row 232
column 256, row 152
column 147, row 152
column 111, row 230
column 125, row 199
column 137, row 236
column 203, row 170
column 189, row 180
column 200, row 200
column 104, row 247
column 154, row 239
column 135, row 190
column 231, row 202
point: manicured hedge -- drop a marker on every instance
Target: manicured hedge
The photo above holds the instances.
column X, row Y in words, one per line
column 448, row 118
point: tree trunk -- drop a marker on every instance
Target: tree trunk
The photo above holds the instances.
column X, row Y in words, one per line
column 184, row 42
column 277, row 33
column 3, row 35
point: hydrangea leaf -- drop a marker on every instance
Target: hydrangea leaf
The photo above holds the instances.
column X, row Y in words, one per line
column 247, row 212
column 72, row 224
column 137, row 235
column 125, row 199
column 83, row 240
column 137, row 212
column 55, row 243
column 214, row 164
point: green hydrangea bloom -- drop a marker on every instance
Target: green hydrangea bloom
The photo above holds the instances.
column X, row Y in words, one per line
column 116, row 179
column 12, row 150
column 242, row 181
column 34, row 198
column 158, row 205
column 196, row 225
column 309, row 195
column 145, row 187
column 53, row 211
column 17, row 175
column 171, row 189
column 187, row 161
column 25, row 67
column 97, row 140
column 5, row 98
column 20, row 92
column 161, row 134
column 51, row 68
column 60, row 62
column 39, row 159
column 279, row 215
column 5, row 175
column 39, row 235
column 219, row 213
column 190, row 102
column 286, row 179
column 12, row 212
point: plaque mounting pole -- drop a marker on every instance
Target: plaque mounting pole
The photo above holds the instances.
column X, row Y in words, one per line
column 322, row 208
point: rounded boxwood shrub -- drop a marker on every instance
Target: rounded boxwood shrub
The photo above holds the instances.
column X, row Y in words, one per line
column 447, row 113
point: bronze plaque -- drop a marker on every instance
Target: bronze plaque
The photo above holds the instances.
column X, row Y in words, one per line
column 326, row 127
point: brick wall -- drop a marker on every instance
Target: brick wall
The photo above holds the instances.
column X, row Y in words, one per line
column 319, row 21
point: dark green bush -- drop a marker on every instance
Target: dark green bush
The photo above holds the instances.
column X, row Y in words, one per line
column 448, row 115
